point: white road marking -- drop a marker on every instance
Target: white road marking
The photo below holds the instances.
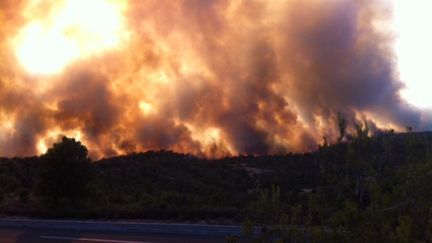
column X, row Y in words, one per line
column 88, row 239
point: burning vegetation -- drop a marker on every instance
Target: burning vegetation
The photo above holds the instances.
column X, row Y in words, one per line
column 211, row 78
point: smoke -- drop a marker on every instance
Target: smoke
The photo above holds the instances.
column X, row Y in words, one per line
column 212, row 77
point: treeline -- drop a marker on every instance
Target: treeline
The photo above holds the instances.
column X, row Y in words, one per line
column 371, row 190
column 363, row 189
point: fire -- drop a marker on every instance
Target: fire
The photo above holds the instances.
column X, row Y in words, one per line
column 210, row 78
column 77, row 29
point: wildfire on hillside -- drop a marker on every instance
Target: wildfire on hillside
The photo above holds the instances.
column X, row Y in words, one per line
column 207, row 77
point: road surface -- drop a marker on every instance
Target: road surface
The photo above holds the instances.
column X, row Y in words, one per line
column 64, row 231
column 11, row 235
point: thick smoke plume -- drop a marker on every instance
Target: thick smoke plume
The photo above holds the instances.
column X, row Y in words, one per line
column 212, row 78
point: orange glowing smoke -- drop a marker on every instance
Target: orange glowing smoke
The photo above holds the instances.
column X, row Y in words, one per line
column 208, row 77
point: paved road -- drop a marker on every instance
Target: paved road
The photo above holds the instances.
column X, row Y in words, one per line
column 11, row 235
column 125, row 227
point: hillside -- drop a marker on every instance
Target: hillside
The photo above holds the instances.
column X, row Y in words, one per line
column 379, row 185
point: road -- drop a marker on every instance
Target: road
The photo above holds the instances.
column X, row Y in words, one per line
column 50, row 231
column 11, row 235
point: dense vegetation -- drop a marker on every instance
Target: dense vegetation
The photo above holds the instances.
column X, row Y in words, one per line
column 360, row 189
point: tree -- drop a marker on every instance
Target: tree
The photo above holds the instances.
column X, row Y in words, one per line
column 65, row 172
column 342, row 125
column 362, row 131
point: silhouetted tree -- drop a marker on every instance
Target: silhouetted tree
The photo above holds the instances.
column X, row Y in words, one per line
column 362, row 129
column 65, row 172
column 342, row 125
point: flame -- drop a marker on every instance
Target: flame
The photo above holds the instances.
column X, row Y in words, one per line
column 212, row 141
column 77, row 29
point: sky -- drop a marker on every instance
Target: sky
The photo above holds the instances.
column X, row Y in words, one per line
column 413, row 49
column 209, row 77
